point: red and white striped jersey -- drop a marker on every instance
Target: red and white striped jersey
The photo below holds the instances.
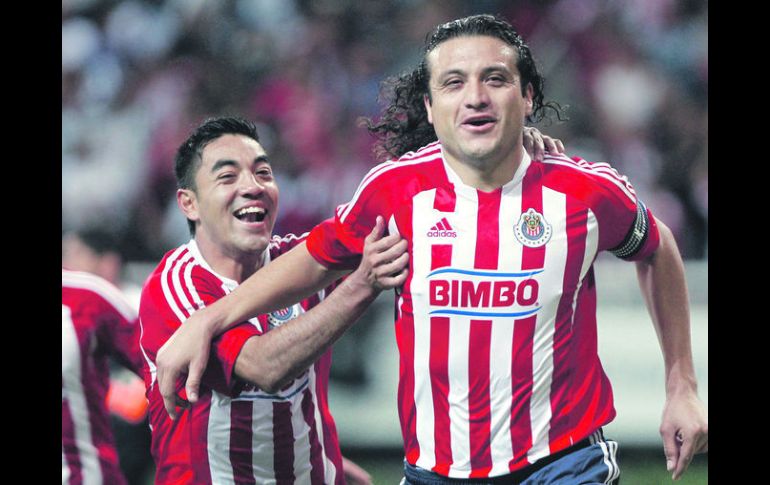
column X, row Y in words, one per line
column 496, row 324
column 235, row 433
column 97, row 322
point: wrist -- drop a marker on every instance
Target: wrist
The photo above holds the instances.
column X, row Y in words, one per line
column 678, row 384
column 358, row 290
column 212, row 321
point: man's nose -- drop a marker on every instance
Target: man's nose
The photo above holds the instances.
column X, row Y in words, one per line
column 250, row 185
column 476, row 95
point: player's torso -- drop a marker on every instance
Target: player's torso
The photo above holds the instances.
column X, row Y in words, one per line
column 494, row 279
column 498, row 256
column 251, row 435
column 87, row 445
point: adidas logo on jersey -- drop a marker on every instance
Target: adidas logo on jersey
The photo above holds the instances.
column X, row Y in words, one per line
column 442, row 229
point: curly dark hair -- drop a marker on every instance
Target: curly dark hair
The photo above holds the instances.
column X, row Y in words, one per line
column 188, row 159
column 403, row 124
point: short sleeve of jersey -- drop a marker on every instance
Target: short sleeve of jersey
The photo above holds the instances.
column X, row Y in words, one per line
column 164, row 307
column 338, row 242
column 627, row 227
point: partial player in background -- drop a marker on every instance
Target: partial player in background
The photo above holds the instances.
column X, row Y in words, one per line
column 500, row 379
column 96, row 250
column 98, row 323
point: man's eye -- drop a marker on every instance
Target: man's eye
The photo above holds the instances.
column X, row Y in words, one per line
column 226, row 176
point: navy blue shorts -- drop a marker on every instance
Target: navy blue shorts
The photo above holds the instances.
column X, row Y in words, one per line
column 592, row 461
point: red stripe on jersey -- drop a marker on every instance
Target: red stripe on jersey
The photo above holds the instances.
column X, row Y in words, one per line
column 407, row 409
column 521, row 384
column 439, row 378
column 240, row 442
column 592, row 391
column 479, row 407
column 480, row 413
column 197, row 441
column 308, row 410
column 523, row 336
column 563, row 360
column 69, row 448
column 488, row 229
column 441, row 255
column 283, row 444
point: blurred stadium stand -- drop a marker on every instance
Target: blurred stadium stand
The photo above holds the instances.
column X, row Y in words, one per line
column 137, row 75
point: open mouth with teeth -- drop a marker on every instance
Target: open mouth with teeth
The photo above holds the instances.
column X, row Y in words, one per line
column 251, row 214
column 480, row 121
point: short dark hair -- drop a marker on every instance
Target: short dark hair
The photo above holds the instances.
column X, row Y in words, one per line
column 404, row 125
column 189, row 154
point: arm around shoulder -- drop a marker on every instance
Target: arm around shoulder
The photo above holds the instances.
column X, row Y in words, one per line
column 275, row 358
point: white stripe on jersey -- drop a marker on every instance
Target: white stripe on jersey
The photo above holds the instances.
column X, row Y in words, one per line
column 191, row 286
column 591, row 250
column 500, row 391
column 76, row 399
column 218, row 439
column 171, row 261
column 377, row 172
column 459, row 414
column 554, row 209
column 422, row 216
column 103, row 288
column 176, row 280
column 277, row 240
column 262, row 445
column 600, row 170
column 463, row 256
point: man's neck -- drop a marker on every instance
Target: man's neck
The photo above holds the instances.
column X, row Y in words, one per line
column 235, row 267
column 486, row 175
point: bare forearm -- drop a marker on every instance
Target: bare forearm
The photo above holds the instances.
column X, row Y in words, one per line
column 663, row 285
column 285, row 281
column 272, row 360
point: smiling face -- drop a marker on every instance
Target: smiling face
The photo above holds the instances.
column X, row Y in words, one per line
column 476, row 103
column 235, row 201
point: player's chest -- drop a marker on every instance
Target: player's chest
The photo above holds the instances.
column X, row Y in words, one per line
column 490, row 230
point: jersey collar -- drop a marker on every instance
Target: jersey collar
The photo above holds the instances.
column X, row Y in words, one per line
column 464, row 189
column 231, row 284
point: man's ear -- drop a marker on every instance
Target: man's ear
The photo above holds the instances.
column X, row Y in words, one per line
column 188, row 203
column 426, row 100
column 529, row 94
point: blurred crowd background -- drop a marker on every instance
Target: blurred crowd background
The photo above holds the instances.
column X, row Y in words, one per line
column 138, row 75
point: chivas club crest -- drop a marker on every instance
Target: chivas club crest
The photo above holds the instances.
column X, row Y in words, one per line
column 279, row 317
column 532, row 230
